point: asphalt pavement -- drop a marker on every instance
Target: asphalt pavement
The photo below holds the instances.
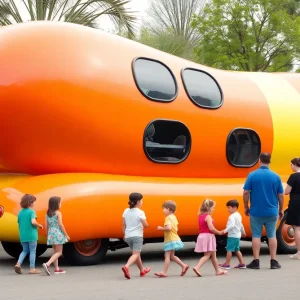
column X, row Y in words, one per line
column 106, row 281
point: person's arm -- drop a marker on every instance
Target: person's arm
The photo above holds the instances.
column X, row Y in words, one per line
column 36, row 224
column 288, row 190
column 280, row 202
column 289, row 186
column 246, row 194
column 143, row 220
column 230, row 224
column 280, row 198
column 34, row 221
column 46, row 224
column 61, row 225
column 123, row 225
column 243, row 230
column 167, row 225
column 210, row 225
column 246, row 198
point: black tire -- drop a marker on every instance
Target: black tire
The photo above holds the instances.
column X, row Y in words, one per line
column 75, row 257
column 286, row 242
column 15, row 249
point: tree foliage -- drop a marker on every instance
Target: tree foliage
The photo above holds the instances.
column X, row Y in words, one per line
column 84, row 12
column 248, row 35
column 168, row 42
column 168, row 27
column 174, row 16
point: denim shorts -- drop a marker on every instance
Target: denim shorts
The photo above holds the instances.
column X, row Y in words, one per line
column 135, row 243
column 257, row 223
column 233, row 244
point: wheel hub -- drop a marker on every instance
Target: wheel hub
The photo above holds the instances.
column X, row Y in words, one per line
column 288, row 234
column 88, row 247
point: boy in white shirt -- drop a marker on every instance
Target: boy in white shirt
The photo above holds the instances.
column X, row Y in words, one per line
column 235, row 230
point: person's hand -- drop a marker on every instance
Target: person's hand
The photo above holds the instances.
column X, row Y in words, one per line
column 247, row 211
column 41, row 226
column 68, row 238
column 222, row 232
column 159, row 228
column 281, row 214
column 244, row 235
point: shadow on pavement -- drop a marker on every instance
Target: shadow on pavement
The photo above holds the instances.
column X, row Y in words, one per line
column 151, row 252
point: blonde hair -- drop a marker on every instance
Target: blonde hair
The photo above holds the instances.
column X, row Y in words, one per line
column 206, row 206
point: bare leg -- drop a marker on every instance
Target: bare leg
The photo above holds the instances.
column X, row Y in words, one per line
column 167, row 262
column 178, row 260
column 256, row 247
column 57, row 253
column 203, row 260
column 55, row 263
column 139, row 264
column 240, row 257
column 273, row 247
column 297, row 237
column 228, row 257
column 133, row 258
column 215, row 263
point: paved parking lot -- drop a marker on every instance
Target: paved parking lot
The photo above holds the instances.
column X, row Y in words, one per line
column 106, row 281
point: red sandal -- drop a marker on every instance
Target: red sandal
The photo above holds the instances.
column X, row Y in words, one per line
column 184, row 270
column 145, row 271
column 126, row 272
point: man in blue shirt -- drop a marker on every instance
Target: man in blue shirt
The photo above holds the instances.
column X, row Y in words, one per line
column 264, row 189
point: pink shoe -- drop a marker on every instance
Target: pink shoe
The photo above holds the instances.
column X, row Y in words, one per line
column 59, row 271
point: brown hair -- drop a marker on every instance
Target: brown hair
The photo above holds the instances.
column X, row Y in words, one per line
column 53, row 206
column 206, row 206
column 170, row 205
column 134, row 198
column 27, row 200
column 296, row 162
column 265, row 158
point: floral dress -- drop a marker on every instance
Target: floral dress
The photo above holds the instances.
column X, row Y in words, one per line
column 55, row 234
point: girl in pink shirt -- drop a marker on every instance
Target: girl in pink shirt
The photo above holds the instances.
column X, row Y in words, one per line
column 206, row 241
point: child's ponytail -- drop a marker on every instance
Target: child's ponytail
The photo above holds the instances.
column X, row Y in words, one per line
column 206, row 206
column 134, row 198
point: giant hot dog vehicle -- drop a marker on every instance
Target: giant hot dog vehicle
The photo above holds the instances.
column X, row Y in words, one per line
column 92, row 117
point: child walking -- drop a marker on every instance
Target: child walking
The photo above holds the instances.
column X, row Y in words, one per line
column 206, row 241
column 134, row 221
column 28, row 230
column 172, row 241
column 235, row 230
column 56, row 233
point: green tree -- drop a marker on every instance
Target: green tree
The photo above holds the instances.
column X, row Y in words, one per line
column 248, row 35
column 167, row 26
column 293, row 7
column 84, row 12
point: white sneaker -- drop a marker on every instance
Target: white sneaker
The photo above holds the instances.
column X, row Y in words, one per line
column 295, row 256
column 46, row 268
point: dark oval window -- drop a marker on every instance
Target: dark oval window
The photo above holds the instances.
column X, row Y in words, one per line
column 202, row 88
column 167, row 141
column 243, row 148
column 154, row 80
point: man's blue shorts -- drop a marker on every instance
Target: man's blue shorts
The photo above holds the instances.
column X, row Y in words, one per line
column 233, row 244
column 257, row 223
